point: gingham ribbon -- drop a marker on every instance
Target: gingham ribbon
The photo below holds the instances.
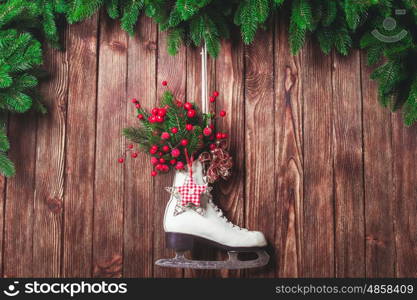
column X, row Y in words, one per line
column 191, row 192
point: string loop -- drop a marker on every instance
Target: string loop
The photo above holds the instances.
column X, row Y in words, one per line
column 204, row 84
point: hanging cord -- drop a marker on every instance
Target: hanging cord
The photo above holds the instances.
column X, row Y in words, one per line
column 189, row 162
column 204, row 98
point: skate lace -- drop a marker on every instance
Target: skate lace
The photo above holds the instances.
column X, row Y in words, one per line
column 221, row 215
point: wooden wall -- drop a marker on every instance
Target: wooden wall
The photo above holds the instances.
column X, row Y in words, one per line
column 328, row 175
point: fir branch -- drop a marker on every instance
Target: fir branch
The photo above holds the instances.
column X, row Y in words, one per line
column 130, row 16
column 297, row 37
column 174, row 40
column 410, row 106
column 6, row 165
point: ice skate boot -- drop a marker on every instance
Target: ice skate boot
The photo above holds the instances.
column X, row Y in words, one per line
column 206, row 224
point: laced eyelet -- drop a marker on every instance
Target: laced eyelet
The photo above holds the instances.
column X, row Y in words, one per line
column 221, row 215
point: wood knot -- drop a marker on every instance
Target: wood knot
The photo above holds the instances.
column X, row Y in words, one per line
column 374, row 241
column 62, row 107
column 290, row 79
column 111, row 268
column 54, row 204
column 151, row 45
column 118, row 46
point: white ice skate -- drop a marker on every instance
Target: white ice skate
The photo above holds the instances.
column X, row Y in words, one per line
column 207, row 225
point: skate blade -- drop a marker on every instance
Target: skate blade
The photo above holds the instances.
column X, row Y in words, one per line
column 233, row 263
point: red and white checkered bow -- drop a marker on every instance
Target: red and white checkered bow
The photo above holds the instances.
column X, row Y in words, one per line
column 191, row 192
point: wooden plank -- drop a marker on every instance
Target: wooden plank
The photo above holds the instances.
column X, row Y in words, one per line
column 80, row 156
column 2, row 217
column 318, row 225
column 379, row 223
column 404, row 143
column 50, row 165
column 260, row 141
column 348, row 167
column 193, row 94
column 18, row 243
column 230, row 194
column 288, row 155
column 173, row 70
column 139, row 200
column 109, row 181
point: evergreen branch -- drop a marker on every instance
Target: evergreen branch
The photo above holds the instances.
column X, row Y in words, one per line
column 410, row 106
column 6, row 165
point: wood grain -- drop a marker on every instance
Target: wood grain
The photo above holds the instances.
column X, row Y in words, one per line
column 378, row 185
column 139, row 189
column 50, row 164
column 404, row 147
column 3, row 183
column 109, row 179
column 288, row 155
column 18, row 229
column 80, row 154
column 348, row 167
column 318, row 201
column 260, row 142
column 173, row 70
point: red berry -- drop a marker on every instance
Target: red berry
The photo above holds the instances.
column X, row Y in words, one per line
column 175, row 152
column 191, row 113
column 162, row 161
column 154, row 173
column 179, row 166
column 164, row 168
column 188, row 105
column 184, row 142
column 137, row 105
column 134, row 100
column 154, row 160
column 189, row 127
column 160, row 153
column 153, row 151
column 219, row 135
column 152, row 119
column 174, row 130
column 130, row 146
column 224, row 135
column 164, row 83
column 165, row 135
column 155, row 111
column 121, row 160
column 222, row 113
column 212, row 99
column 154, row 147
column 140, row 116
column 159, row 119
column 179, row 103
column 211, row 126
column 165, row 148
column 162, row 112
column 213, row 146
column 173, row 161
column 207, row 131
column 134, row 155
column 215, row 93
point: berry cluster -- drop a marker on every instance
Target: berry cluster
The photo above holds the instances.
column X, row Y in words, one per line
column 171, row 129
